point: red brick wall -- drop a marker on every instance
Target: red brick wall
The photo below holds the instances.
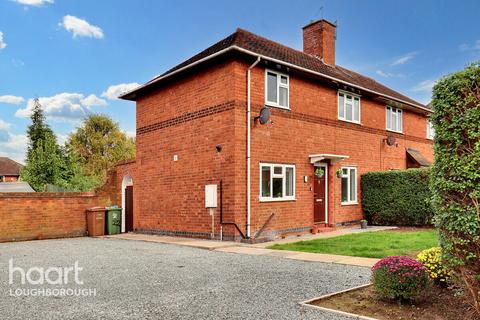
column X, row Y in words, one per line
column 311, row 127
column 29, row 216
column 186, row 119
column 319, row 40
column 191, row 115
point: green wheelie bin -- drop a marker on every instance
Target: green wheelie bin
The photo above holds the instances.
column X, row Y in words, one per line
column 113, row 221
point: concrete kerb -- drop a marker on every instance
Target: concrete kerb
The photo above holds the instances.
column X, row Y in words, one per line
column 307, row 303
column 236, row 248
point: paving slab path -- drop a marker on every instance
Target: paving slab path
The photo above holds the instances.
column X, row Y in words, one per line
column 261, row 248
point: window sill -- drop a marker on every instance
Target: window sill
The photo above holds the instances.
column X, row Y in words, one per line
column 277, row 200
column 351, row 121
column 273, row 105
column 349, row 203
column 399, row 132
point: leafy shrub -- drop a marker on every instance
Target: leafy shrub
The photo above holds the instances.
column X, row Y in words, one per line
column 433, row 261
column 455, row 178
column 400, row 197
column 399, row 278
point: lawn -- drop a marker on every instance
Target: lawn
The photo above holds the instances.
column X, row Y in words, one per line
column 377, row 244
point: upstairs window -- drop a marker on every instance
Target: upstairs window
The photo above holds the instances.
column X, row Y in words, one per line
column 277, row 182
column 348, row 107
column 394, row 119
column 277, row 89
column 430, row 129
column 349, row 185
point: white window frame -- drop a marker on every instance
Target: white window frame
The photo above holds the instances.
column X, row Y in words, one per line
column 430, row 129
column 353, row 97
column 283, row 175
column 399, row 115
column 350, row 200
column 279, row 85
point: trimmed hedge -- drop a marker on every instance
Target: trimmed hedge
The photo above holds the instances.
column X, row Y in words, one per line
column 400, row 197
column 455, row 180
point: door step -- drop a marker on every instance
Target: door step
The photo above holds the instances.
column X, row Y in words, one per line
column 321, row 227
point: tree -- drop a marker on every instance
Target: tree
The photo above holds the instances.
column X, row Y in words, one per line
column 71, row 175
column 100, row 144
column 38, row 130
column 44, row 159
column 455, row 179
column 44, row 163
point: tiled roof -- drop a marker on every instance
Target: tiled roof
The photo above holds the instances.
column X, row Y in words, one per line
column 270, row 49
column 8, row 167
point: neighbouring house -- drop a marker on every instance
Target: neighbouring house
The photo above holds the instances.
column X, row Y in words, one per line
column 9, row 170
column 284, row 134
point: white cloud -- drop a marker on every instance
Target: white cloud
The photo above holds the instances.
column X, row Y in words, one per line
column 463, row 47
column 11, row 99
column 386, row 74
column 114, row 91
column 34, row 3
column 404, row 59
column 81, row 28
column 69, row 107
column 92, row 101
column 131, row 134
column 2, row 43
column 4, row 125
column 424, row 86
column 12, row 145
column 471, row 47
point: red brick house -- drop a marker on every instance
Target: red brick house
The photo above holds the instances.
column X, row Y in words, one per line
column 9, row 170
column 198, row 124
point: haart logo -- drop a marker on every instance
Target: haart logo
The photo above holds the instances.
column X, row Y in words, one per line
column 58, row 281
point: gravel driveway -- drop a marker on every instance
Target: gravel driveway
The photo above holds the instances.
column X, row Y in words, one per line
column 141, row 280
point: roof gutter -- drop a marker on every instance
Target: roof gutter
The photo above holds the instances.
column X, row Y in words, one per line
column 291, row 65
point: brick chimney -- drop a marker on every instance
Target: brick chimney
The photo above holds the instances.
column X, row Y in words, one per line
column 319, row 40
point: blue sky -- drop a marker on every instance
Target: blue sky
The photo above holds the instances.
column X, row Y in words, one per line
column 77, row 55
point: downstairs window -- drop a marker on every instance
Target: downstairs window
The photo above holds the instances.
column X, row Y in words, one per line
column 349, row 185
column 277, row 182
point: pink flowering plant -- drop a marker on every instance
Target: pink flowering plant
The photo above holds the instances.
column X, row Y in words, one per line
column 399, row 278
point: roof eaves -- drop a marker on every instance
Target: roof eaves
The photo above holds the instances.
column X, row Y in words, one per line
column 131, row 94
column 330, row 77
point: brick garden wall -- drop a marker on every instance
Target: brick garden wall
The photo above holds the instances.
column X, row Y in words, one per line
column 45, row 215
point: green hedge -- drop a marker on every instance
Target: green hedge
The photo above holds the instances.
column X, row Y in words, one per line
column 455, row 180
column 397, row 197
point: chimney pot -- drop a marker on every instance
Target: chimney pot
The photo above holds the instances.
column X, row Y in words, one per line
column 319, row 40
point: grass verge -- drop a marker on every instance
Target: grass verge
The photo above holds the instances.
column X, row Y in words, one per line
column 378, row 244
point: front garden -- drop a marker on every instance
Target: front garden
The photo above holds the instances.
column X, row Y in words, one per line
column 377, row 244
column 440, row 282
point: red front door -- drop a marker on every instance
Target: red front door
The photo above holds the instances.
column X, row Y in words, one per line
column 320, row 195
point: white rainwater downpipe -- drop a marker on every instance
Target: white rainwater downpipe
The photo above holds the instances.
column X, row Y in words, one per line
column 248, row 144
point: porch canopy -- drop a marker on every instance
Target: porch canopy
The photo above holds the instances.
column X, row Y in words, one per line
column 417, row 158
column 334, row 158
